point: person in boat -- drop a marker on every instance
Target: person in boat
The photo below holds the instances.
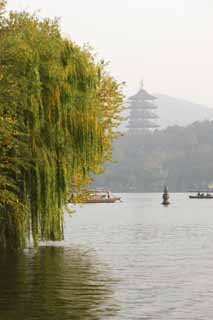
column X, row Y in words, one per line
column 71, row 197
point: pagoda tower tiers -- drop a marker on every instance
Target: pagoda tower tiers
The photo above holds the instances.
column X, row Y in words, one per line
column 142, row 111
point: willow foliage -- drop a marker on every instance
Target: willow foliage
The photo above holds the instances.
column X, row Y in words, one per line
column 58, row 112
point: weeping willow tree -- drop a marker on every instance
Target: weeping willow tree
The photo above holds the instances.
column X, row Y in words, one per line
column 58, row 112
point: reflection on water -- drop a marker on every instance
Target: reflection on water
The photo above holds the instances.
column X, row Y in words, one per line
column 163, row 257
column 53, row 283
column 134, row 260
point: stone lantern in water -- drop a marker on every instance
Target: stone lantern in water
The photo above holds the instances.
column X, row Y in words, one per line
column 165, row 197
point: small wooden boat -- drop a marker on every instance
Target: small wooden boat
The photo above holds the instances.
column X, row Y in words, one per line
column 109, row 200
column 98, row 196
column 202, row 195
column 101, row 196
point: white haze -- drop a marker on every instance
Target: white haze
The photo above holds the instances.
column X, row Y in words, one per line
column 169, row 43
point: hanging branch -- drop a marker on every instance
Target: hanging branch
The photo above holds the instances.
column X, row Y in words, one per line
column 58, row 111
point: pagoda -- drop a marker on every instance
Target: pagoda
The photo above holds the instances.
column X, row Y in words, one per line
column 142, row 115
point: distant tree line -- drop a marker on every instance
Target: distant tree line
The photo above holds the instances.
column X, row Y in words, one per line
column 58, row 111
column 180, row 157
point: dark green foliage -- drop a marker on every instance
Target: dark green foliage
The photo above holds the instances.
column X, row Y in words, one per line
column 180, row 157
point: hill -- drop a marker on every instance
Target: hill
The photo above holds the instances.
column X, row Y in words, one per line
column 179, row 154
column 180, row 157
column 174, row 111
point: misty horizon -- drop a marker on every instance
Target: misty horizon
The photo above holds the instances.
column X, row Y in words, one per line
column 165, row 42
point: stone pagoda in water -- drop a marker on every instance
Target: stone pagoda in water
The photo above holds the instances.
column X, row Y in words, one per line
column 142, row 115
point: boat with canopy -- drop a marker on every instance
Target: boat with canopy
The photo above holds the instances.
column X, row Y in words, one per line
column 201, row 194
column 97, row 196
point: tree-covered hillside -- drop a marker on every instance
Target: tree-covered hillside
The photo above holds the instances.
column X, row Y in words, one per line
column 180, row 157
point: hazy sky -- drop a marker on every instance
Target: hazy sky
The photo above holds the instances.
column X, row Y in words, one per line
column 169, row 43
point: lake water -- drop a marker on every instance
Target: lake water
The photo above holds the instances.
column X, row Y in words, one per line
column 129, row 260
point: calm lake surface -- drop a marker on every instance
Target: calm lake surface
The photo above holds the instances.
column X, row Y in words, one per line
column 130, row 260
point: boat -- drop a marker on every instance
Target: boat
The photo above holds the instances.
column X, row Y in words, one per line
column 99, row 196
column 206, row 194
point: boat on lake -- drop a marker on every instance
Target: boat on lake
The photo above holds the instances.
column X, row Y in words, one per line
column 102, row 196
column 202, row 194
column 99, row 196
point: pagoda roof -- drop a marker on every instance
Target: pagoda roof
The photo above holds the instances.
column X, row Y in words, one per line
column 139, row 105
column 144, row 114
column 142, row 95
